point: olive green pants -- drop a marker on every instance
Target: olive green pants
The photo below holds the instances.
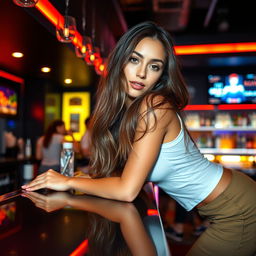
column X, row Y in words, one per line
column 232, row 215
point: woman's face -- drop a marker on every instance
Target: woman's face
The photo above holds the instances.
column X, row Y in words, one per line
column 61, row 129
column 144, row 67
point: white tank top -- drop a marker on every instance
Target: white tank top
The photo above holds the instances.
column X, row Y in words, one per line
column 184, row 173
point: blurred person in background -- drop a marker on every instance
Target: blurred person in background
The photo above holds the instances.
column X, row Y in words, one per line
column 49, row 146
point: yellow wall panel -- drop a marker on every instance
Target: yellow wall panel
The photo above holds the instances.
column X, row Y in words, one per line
column 75, row 109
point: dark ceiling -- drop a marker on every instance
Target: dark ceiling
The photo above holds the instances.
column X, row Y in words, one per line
column 200, row 17
column 200, row 22
column 28, row 31
column 189, row 21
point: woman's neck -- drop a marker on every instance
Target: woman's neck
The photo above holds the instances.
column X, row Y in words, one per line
column 128, row 101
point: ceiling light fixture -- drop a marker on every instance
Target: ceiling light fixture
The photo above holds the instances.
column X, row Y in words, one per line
column 17, row 54
column 25, row 3
column 81, row 50
column 66, row 31
column 90, row 54
column 100, row 67
column 89, row 50
column 68, row 81
column 45, row 69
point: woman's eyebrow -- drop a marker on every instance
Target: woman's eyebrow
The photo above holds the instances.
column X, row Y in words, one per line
column 154, row 60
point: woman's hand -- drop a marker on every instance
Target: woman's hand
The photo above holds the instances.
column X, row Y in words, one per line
column 50, row 179
column 49, row 203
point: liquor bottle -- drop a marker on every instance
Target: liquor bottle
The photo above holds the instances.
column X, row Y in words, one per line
column 28, row 167
column 217, row 141
column 28, row 150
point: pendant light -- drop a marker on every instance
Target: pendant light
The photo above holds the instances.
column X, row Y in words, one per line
column 81, row 51
column 90, row 57
column 66, row 29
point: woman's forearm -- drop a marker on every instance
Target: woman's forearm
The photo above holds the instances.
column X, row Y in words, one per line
column 110, row 187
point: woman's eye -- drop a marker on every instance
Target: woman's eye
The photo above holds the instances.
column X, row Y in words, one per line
column 133, row 60
column 154, row 67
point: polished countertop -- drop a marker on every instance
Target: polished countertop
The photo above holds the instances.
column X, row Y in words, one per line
column 69, row 223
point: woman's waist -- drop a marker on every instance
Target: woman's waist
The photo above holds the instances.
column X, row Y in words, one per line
column 219, row 188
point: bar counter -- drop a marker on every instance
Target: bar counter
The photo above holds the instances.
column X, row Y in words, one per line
column 69, row 223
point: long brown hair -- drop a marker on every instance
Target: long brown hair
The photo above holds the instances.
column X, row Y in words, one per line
column 113, row 123
column 52, row 128
column 105, row 237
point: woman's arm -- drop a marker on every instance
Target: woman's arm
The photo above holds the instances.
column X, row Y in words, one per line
column 139, row 164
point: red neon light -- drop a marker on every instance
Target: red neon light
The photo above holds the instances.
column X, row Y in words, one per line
column 11, row 77
column 237, row 107
column 49, row 11
column 81, row 249
column 215, row 48
column 10, row 232
column 222, row 107
column 152, row 212
column 199, row 107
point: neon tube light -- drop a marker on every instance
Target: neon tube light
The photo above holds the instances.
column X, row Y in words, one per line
column 199, row 107
column 215, row 48
column 237, row 107
column 221, row 107
column 49, row 11
column 11, row 77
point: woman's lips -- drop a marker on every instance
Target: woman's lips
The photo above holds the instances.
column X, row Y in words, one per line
column 137, row 85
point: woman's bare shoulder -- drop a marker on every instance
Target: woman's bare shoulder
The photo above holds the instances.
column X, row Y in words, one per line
column 159, row 103
column 162, row 110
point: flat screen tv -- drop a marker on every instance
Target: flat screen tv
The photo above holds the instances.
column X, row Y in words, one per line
column 232, row 88
column 8, row 100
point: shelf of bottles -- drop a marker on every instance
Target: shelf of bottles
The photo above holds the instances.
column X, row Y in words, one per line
column 228, row 137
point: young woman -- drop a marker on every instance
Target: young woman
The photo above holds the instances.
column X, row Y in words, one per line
column 138, row 135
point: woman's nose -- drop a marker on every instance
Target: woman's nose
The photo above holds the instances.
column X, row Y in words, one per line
column 141, row 72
